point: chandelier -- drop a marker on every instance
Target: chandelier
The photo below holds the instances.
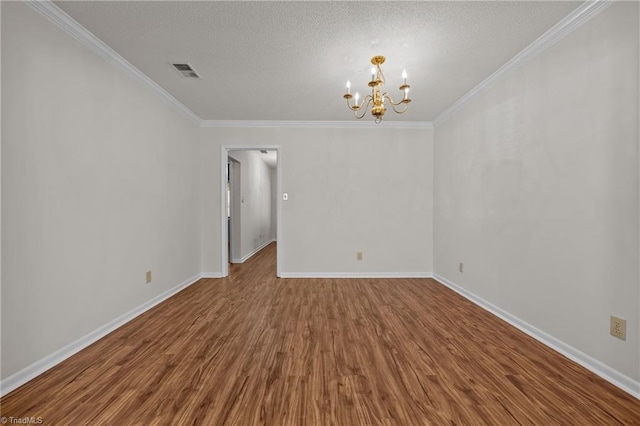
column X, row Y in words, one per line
column 377, row 99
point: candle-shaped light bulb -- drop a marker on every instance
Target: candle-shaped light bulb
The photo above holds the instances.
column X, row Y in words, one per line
column 373, row 74
column 348, row 86
column 404, row 76
column 357, row 96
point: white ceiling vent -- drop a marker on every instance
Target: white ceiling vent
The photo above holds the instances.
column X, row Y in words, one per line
column 186, row 70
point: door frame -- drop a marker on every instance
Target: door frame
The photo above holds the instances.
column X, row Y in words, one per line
column 224, row 158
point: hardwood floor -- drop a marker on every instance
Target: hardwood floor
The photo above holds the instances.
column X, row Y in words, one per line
column 253, row 349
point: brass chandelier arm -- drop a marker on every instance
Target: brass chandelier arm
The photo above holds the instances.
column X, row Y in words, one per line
column 364, row 106
column 406, row 107
column 350, row 107
column 364, row 111
column 366, row 100
column 388, row 96
column 395, row 104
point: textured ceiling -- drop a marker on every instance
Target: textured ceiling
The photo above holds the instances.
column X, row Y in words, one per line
column 290, row 60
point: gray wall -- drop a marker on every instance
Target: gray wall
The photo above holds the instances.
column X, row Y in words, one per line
column 536, row 188
column 99, row 184
column 349, row 190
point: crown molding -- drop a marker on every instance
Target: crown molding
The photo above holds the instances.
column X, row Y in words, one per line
column 575, row 19
column 65, row 22
column 53, row 13
column 316, row 124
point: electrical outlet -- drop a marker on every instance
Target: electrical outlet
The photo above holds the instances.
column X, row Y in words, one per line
column 461, row 267
column 358, row 255
column 618, row 327
column 148, row 277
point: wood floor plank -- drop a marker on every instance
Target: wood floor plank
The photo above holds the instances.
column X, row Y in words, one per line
column 252, row 349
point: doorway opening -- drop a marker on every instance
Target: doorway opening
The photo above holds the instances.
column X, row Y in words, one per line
column 234, row 209
column 250, row 204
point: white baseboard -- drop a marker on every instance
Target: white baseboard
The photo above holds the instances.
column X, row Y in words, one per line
column 618, row 379
column 356, row 275
column 247, row 256
column 211, row 275
column 23, row 376
column 614, row 377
